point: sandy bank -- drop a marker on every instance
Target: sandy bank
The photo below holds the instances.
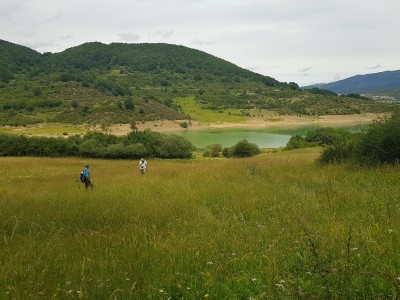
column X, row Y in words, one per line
column 280, row 121
column 174, row 125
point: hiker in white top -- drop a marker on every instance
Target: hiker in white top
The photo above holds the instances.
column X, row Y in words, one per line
column 143, row 165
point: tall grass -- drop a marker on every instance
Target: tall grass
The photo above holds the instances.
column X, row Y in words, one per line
column 275, row 226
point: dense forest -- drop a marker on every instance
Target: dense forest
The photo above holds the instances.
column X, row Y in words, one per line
column 126, row 83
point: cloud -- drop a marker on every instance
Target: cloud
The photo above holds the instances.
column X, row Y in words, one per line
column 129, row 37
column 202, row 42
column 374, row 67
column 305, row 70
column 163, row 33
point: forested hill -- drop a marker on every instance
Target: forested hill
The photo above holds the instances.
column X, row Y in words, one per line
column 127, row 57
column 149, row 58
column 15, row 58
column 126, row 83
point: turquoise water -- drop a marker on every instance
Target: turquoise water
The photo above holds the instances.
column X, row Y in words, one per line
column 264, row 138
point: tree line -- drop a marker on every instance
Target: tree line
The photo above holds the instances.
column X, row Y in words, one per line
column 98, row 145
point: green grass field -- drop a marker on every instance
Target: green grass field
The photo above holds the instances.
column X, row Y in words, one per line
column 275, row 226
column 189, row 106
column 44, row 129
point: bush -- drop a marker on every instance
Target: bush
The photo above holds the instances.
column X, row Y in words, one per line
column 226, row 152
column 342, row 150
column 379, row 144
column 296, row 142
column 174, row 146
column 318, row 137
column 212, row 150
column 326, row 135
column 242, row 149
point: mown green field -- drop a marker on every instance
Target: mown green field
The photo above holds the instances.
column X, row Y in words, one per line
column 275, row 226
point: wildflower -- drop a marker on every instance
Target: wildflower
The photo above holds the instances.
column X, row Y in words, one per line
column 161, row 290
column 233, row 254
column 253, row 279
column 209, row 263
column 206, row 296
column 390, row 230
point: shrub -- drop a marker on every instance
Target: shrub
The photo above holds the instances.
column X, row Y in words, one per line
column 296, row 142
column 174, row 146
column 243, row 149
column 381, row 142
column 212, row 150
column 129, row 104
column 326, row 135
column 318, row 137
column 226, row 152
column 341, row 150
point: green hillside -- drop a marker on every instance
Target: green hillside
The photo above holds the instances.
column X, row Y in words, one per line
column 126, row 83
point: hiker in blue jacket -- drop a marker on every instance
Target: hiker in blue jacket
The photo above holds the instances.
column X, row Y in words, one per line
column 86, row 174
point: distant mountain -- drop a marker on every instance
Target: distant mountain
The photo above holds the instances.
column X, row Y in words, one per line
column 363, row 84
column 126, row 83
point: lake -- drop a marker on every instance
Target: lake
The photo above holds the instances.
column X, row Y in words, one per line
column 264, row 137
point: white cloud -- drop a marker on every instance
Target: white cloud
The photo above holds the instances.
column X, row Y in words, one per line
column 162, row 33
column 304, row 70
column 374, row 67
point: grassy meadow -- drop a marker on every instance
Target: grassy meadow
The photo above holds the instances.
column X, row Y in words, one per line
column 189, row 106
column 46, row 130
column 274, row 226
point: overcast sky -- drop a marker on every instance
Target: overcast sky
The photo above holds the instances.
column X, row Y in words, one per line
column 306, row 41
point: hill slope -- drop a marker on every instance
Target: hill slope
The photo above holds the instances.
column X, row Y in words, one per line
column 127, row 83
column 364, row 84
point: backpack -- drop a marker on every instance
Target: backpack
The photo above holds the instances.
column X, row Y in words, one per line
column 82, row 177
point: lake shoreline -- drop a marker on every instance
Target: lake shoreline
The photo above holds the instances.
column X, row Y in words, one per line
column 254, row 123
column 170, row 126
